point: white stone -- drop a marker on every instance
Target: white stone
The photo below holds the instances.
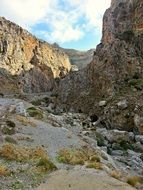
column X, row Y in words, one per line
column 102, row 103
column 122, row 104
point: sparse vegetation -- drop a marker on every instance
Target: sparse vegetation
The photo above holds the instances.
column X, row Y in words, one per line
column 22, row 154
column 4, row 171
column 95, row 165
column 134, row 180
column 35, row 112
column 9, row 127
column 38, row 102
column 81, row 157
column 45, row 164
column 25, row 121
column 10, row 140
column 115, row 174
column 100, row 139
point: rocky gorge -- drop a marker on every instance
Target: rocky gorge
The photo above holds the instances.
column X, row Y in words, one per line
column 63, row 128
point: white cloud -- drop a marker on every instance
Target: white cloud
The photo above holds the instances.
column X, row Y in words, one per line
column 61, row 16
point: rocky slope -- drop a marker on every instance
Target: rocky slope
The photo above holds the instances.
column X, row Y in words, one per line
column 116, row 72
column 77, row 58
column 26, row 62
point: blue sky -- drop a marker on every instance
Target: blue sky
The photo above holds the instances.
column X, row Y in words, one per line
column 70, row 23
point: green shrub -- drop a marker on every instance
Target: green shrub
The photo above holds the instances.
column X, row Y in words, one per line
column 34, row 112
column 100, row 139
column 46, row 164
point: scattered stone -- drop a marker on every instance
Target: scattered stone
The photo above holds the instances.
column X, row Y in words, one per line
column 102, row 103
column 85, row 133
column 117, row 153
column 139, row 138
column 122, row 104
column 138, row 147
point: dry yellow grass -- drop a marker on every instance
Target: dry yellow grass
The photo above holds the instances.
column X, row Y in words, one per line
column 21, row 154
column 4, row 170
column 37, row 156
column 134, row 180
column 81, row 157
column 115, row 174
column 25, row 121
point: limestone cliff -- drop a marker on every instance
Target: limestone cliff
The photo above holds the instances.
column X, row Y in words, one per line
column 32, row 62
column 116, row 71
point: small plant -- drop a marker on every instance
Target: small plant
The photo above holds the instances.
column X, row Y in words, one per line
column 95, row 165
column 81, row 157
column 9, row 127
column 126, row 145
column 34, row 112
column 100, row 139
column 115, row 174
column 25, row 121
column 134, row 180
column 45, row 164
column 10, row 140
column 4, row 171
column 10, row 123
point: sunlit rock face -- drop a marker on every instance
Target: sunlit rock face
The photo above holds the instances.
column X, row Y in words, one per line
column 35, row 63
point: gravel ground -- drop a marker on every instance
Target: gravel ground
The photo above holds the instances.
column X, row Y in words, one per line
column 82, row 179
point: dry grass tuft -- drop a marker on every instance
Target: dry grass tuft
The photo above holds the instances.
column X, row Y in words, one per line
column 21, row 154
column 95, row 165
column 81, row 157
column 36, row 156
column 134, row 180
column 115, row 174
column 4, row 171
column 25, row 121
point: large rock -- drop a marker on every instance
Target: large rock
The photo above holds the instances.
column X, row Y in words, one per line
column 31, row 64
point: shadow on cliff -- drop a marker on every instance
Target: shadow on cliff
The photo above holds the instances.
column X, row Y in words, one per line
column 37, row 79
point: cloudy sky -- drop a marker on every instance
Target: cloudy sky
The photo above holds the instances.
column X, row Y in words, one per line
column 71, row 23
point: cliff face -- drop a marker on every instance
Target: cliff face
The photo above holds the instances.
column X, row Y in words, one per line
column 119, row 56
column 34, row 62
column 116, row 71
